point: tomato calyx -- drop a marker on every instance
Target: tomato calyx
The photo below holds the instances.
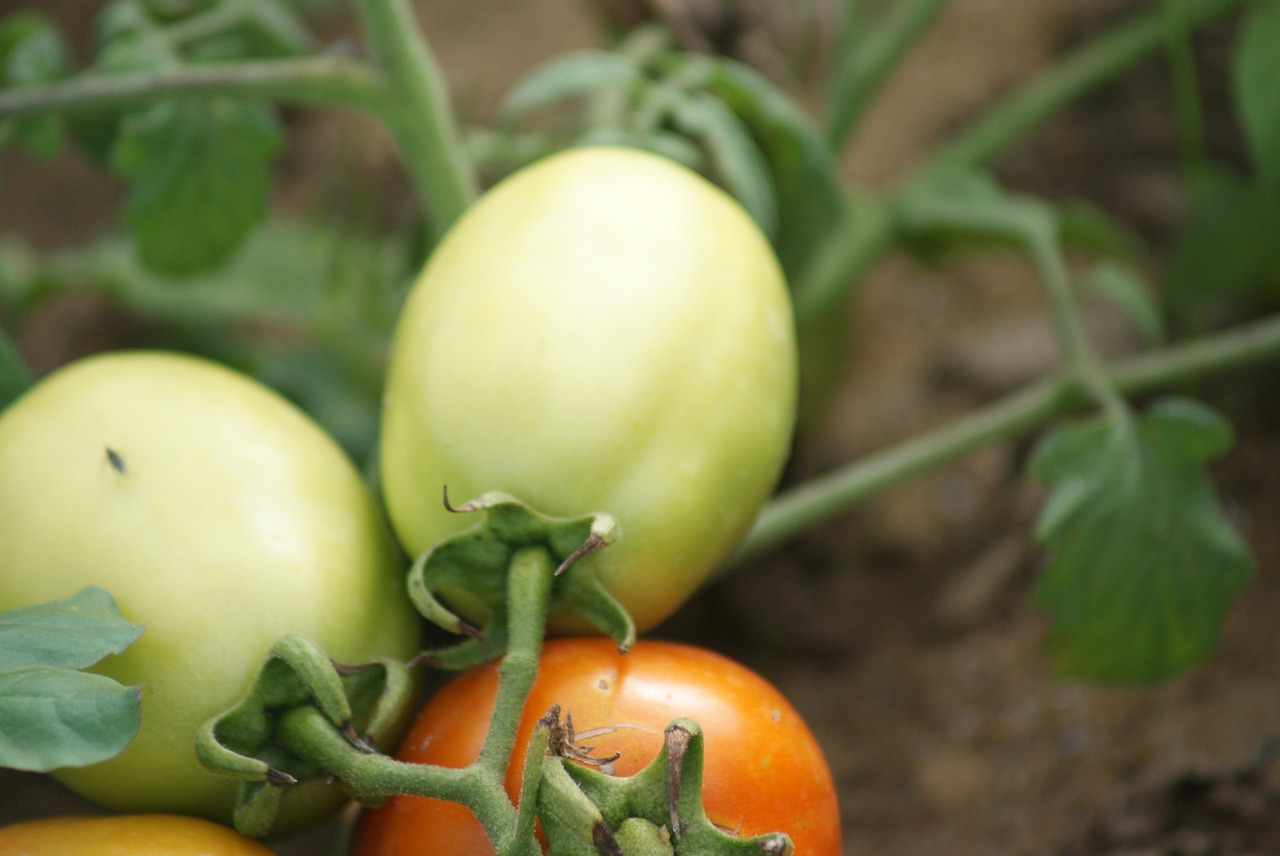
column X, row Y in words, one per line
column 364, row 704
column 658, row 810
column 460, row 584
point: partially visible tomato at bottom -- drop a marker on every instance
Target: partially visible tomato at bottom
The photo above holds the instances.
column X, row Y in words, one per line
column 125, row 835
column 763, row 771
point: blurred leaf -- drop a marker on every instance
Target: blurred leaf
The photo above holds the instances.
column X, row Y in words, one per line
column 669, row 145
column 32, row 52
column 1228, row 248
column 51, row 718
column 1124, row 286
column 576, row 74
column 804, row 172
column 1143, row 563
column 1085, row 226
column 1257, row 80
column 735, row 160
column 199, row 175
column 14, row 376
column 73, row 633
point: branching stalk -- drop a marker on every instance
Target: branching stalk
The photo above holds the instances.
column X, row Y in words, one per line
column 1017, row 414
column 849, row 252
column 327, row 79
column 419, row 115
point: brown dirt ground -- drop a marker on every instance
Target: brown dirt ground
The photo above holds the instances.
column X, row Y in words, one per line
column 905, row 632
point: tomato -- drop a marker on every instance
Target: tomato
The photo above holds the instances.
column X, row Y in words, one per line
column 763, row 772
column 219, row 516
column 603, row 331
column 129, row 835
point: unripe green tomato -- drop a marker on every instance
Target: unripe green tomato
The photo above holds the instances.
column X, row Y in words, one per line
column 603, row 331
column 217, row 515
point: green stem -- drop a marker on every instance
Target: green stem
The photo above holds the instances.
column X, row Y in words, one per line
column 827, row 496
column 372, row 777
column 328, row 79
column 1100, row 60
column 844, row 68
column 849, row 253
column 529, row 592
column 861, row 71
column 480, row 786
column 419, row 116
column 1186, row 95
column 1040, row 235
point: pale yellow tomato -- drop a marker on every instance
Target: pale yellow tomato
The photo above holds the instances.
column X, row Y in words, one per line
column 603, row 331
column 217, row 515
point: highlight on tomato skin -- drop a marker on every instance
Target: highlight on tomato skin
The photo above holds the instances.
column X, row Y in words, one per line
column 764, row 771
column 135, row 835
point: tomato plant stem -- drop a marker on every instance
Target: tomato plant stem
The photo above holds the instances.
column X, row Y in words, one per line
column 325, row 79
column 418, row 115
column 849, row 252
column 1032, row 407
column 863, row 63
column 1181, row 62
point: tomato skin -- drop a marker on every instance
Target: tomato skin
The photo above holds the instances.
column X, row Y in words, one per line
column 764, row 772
column 217, row 515
column 127, row 835
column 602, row 331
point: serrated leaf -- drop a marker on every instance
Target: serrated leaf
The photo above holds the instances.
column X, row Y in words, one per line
column 1257, row 72
column 735, row 160
column 199, row 175
column 72, row 633
column 1143, row 562
column 51, row 718
column 1124, row 286
column 572, row 75
column 1228, row 248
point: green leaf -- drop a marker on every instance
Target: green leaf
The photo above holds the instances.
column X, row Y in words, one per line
column 1143, row 563
column 1228, row 248
column 73, row 633
column 1125, row 286
column 1257, row 75
column 572, row 75
column 735, row 160
column 52, row 718
column 199, row 179
column 14, row 376
column 32, row 52
column 804, row 171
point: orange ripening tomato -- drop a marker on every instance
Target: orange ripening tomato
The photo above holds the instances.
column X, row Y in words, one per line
column 763, row 770
column 134, row 835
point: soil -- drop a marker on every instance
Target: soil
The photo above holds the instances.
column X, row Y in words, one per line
column 906, row 631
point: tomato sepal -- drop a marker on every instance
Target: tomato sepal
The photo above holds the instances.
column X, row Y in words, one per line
column 460, row 584
column 658, row 810
column 366, row 703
